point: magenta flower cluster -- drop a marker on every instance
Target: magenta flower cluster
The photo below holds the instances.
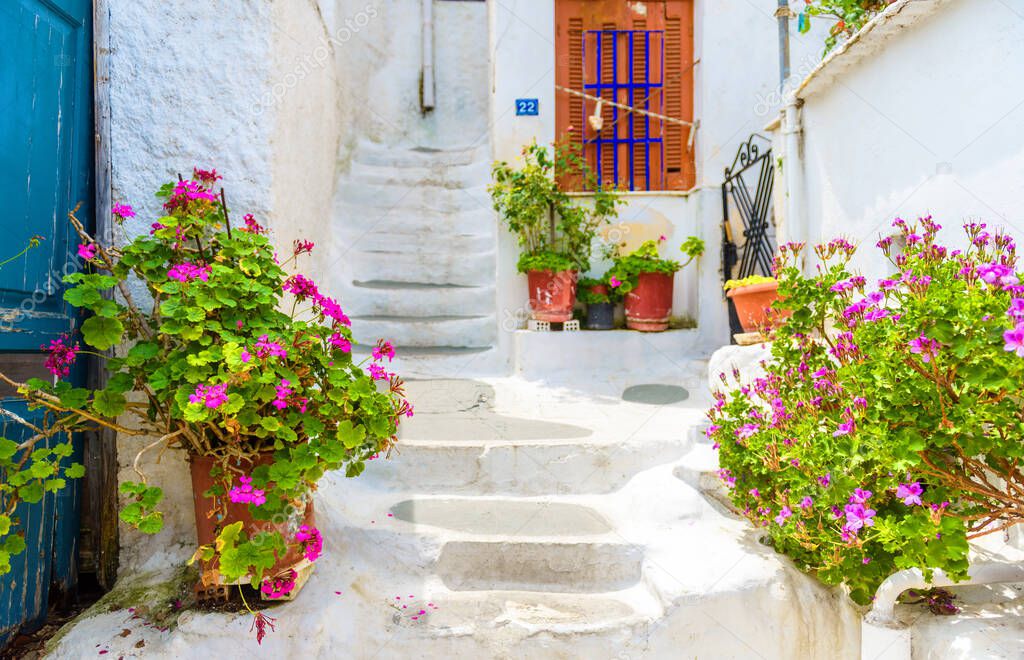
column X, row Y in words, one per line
column 244, row 493
column 279, row 587
column 61, row 356
column 87, row 251
column 186, row 272
column 122, row 211
column 311, row 541
column 211, row 396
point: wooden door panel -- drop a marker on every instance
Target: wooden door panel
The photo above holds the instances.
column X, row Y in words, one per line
column 46, row 169
column 45, row 159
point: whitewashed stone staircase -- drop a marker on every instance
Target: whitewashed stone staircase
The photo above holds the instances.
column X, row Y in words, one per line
column 570, row 533
column 416, row 239
column 525, row 520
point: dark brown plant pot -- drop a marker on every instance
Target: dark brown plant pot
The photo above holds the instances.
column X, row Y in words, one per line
column 213, row 514
column 649, row 305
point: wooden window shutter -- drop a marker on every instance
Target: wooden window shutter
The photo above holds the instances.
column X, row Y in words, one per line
column 680, row 173
column 674, row 18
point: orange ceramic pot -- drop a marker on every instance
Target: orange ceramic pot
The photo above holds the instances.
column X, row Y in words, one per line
column 552, row 295
column 649, row 305
column 753, row 304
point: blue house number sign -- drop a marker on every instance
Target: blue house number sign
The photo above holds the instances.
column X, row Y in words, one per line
column 526, row 107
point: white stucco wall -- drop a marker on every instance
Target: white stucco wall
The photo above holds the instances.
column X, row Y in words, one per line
column 736, row 81
column 377, row 45
column 238, row 87
column 924, row 121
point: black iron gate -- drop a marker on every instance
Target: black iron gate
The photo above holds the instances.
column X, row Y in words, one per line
column 748, row 183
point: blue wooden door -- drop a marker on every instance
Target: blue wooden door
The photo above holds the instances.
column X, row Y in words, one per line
column 46, row 159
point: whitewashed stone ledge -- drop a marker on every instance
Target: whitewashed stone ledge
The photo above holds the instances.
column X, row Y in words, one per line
column 745, row 360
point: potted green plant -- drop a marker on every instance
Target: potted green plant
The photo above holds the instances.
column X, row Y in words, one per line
column 216, row 349
column 600, row 298
column 753, row 297
column 647, row 281
column 555, row 231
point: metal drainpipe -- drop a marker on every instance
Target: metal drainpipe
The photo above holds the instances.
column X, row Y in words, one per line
column 794, row 228
column 427, row 55
column 783, row 13
column 884, row 638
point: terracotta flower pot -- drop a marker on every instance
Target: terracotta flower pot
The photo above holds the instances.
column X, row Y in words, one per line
column 649, row 305
column 209, row 520
column 753, row 304
column 552, row 295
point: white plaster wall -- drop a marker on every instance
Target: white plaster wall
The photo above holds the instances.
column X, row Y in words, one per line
column 736, row 82
column 307, row 131
column 931, row 121
column 237, row 86
column 377, row 45
column 737, row 78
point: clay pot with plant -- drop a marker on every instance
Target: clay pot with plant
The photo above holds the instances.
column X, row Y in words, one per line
column 647, row 282
column 753, row 297
column 228, row 356
column 555, row 231
column 600, row 299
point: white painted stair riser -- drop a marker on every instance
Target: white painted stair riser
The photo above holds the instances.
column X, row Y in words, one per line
column 420, row 332
column 418, row 301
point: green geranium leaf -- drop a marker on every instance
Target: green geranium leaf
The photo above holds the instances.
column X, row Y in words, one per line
column 74, row 471
column 101, row 332
column 7, row 448
column 31, row 492
column 351, row 436
column 109, row 404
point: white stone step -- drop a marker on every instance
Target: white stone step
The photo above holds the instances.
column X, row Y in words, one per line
column 425, row 240
column 405, row 331
column 459, row 443
column 444, row 176
column 465, row 269
column 441, row 361
column 414, row 196
column 585, row 566
column 500, row 516
column 485, row 543
column 383, row 298
column 521, row 468
column 356, row 221
column 480, row 613
column 395, row 156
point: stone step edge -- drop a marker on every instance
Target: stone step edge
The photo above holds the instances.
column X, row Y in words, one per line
column 380, row 502
column 645, row 606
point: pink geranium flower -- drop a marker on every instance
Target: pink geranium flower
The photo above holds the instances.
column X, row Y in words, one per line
column 212, row 396
column 187, row 272
column 311, row 541
column 122, row 211
column 910, row 493
column 87, row 251
column 266, row 348
column 246, row 494
column 340, row 343
column 384, row 349
column 378, row 372
column 1014, row 340
column 61, row 356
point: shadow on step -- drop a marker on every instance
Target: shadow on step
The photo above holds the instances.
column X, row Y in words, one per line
column 462, row 410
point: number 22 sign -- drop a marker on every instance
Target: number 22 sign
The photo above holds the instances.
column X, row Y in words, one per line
column 527, row 107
